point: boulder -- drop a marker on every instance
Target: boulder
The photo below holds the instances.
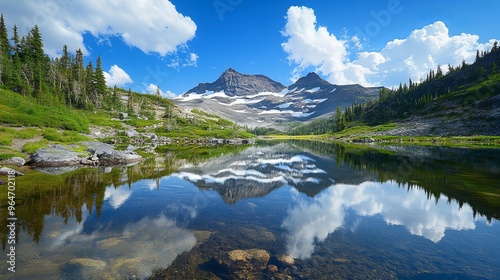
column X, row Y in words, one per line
column 108, row 156
column 56, row 155
column 244, row 264
column 131, row 133
column 100, row 154
column 14, row 161
column 9, row 171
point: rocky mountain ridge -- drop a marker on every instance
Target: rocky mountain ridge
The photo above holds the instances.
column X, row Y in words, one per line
column 257, row 100
column 234, row 83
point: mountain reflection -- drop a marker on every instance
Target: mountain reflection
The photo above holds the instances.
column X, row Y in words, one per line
column 311, row 220
column 130, row 220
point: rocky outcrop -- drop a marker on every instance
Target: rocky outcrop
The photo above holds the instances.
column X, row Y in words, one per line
column 234, row 83
column 56, row 155
column 97, row 154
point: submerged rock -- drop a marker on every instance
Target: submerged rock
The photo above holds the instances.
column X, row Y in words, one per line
column 88, row 262
column 244, row 264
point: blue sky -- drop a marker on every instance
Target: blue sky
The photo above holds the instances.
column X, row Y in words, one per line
column 178, row 43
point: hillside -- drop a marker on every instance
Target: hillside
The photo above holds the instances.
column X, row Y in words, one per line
column 465, row 101
column 146, row 121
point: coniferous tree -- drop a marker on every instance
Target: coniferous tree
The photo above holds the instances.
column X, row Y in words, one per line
column 39, row 61
column 339, row 119
column 5, row 60
column 100, row 80
column 91, row 95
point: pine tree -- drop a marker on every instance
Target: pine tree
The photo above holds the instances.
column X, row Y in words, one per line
column 90, row 86
column 339, row 119
column 18, row 82
column 100, row 80
column 5, row 60
column 439, row 72
column 115, row 99
column 38, row 64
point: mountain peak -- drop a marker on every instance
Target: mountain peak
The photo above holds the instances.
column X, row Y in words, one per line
column 234, row 83
column 311, row 80
column 230, row 70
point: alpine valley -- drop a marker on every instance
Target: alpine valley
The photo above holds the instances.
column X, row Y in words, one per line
column 257, row 100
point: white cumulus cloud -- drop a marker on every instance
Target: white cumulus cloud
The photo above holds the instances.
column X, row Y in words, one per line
column 116, row 76
column 152, row 88
column 310, row 45
column 153, row 26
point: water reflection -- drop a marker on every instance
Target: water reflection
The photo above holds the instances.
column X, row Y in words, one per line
column 287, row 198
column 311, row 220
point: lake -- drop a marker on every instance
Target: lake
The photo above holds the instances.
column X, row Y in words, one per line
column 302, row 210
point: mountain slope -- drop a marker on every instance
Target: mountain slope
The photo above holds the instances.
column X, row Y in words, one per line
column 256, row 100
column 465, row 101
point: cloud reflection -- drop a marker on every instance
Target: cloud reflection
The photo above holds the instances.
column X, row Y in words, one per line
column 117, row 196
column 138, row 249
column 313, row 219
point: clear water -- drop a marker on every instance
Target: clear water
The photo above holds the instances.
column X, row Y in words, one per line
column 341, row 212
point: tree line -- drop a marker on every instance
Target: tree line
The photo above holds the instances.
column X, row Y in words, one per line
column 60, row 81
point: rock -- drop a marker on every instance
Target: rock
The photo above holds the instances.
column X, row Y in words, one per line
column 154, row 137
column 123, row 116
column 9, row 171
column 131, row 133
column 131, row 147
column 108, row 156
column 244, row 264
column 201, row 235
column 101, row 154
column 15, row 161
column 286, row 260
column 56, row 155
column 2, row 182
column 340, row 261
column 272, row 268
column 88, row 262
column 119, row 157
column 258, row 234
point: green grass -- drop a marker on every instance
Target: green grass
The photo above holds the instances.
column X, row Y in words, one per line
column 140, row 123
column 33, row 146
column 100, row 118
column 8, row 134
column 18, row 110
column 53, row 135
